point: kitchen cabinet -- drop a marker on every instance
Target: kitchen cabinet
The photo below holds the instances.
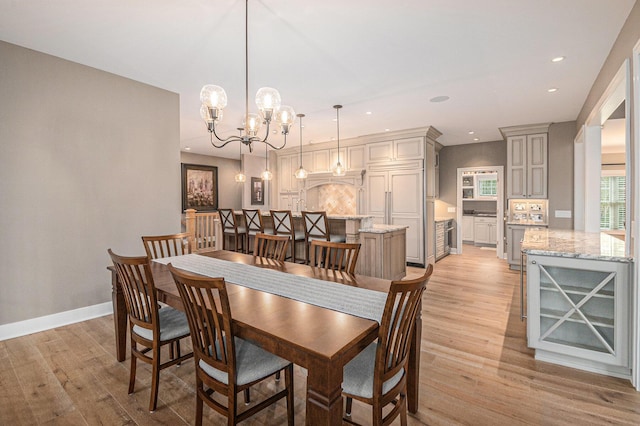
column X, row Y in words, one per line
column 290, row 201
column 430, row 168
column 515, row 233
column 333, row 156
column 467, row 229
column 321, row 160
column 287, row 165
column 392, row 197
column 578, row 312
column 355, row 159
column 485, row 231
column 395, row 150
column 527, row 166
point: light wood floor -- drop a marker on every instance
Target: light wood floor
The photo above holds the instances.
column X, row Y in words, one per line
column 475, row 370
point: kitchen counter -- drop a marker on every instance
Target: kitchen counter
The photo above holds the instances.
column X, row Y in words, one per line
column 574, row 244
column 443, row 219
column 526, row 223
column 378, row 228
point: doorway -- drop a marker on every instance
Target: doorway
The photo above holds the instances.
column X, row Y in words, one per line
column 480, row 191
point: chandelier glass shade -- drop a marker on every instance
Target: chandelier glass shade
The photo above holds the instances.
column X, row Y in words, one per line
column 301, row 173
column 338, row 170
column 268, row 101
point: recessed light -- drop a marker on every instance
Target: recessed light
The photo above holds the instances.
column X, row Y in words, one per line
column 386, row 130
column 368, row 112
column 476, row 139
column 439, row 99
column 558, row 59
column 471, row 132
column 187, row 148
column 553, row 89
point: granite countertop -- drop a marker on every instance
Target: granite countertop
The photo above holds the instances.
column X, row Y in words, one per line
column 382, row 229
column 526, row 223
column 329, row 216
column 574, row 244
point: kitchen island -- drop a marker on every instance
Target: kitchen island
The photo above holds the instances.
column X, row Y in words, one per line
column 383, row 251
column 579, row 300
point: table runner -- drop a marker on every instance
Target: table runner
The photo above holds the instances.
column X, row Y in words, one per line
column 356, row 301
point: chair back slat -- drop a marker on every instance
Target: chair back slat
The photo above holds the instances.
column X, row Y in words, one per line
column 396, row 327
column 316, row 225
column 271, row 246
column 138, row 289
column 341, row 257
column 160, row 246
column 253, row 220
column 206, row 305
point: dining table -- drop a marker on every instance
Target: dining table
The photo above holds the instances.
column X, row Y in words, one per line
column 320, row 339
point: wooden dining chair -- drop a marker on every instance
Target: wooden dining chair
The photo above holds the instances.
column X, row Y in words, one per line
column 316, row 227
column 224, row 363
column 377, row 375
column 254, row 224
column 150, row 328
column 283, row 225
column 271, row 246
column 159, row 246
column 335, row 256
column 230, row 228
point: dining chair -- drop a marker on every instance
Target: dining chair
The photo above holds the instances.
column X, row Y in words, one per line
column 271, row 246
column 224, row 363
column 150, row 328
column 283, row 225
column 377, row 375
column 230, row 228
column 316, row 227
column 254, row 224
column 335, row 256
column 159, row 246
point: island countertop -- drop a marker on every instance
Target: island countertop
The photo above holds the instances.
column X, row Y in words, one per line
column 379, row 228
column 574, row 244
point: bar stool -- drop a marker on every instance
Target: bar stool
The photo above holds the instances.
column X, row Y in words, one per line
column 254, row 225
column 283, row 225
column 230, row 228
column 316, row 227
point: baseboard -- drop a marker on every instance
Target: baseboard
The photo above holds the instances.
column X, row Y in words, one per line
column 47, row 322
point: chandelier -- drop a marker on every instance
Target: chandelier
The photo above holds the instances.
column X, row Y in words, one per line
column 214, row 99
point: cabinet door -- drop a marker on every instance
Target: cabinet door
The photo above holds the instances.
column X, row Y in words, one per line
column 430, row 168
column 579, row 308
column 377, row 195
column 355, row 157
column 321, row 161
column 516, row 166
column 493, row 233
column 467, row 228
column 285, row 173
column 515, row 234
column 380, row 151
column 408, row 149
column 537, row 166
column 481, row 233
column 406, row 209
column 307, row 161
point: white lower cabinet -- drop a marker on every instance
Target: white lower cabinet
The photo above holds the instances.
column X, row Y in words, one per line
column 578, row 313
column 485, row 231
column 467, row 229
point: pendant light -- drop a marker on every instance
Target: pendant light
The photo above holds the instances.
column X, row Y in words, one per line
column 338, row 170
column 240, row 177
column 301, row 173
column 266, row 175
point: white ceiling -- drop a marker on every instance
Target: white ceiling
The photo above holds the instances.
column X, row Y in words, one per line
column 492, row 58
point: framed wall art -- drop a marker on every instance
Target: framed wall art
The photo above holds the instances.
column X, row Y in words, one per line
column 199, row 187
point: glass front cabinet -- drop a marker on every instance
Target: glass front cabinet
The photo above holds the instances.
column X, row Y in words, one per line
column 578, row 313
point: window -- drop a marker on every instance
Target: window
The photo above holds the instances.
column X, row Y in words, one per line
column 612, row 202
column 488, row 186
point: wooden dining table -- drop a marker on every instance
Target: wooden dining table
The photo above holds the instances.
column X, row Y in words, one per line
column 318, row 339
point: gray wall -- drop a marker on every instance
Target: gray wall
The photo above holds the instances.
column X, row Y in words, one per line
column 88, row 161
column 560, row 185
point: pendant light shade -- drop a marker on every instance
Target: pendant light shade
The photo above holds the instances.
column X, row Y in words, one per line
column 338, row 170
column 301, row 173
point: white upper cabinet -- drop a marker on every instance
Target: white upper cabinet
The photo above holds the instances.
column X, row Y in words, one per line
column 285, row 173
column 333, row 153
column 400, row 149
column 527, row 164
column 355, row 157
column 321, row 162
